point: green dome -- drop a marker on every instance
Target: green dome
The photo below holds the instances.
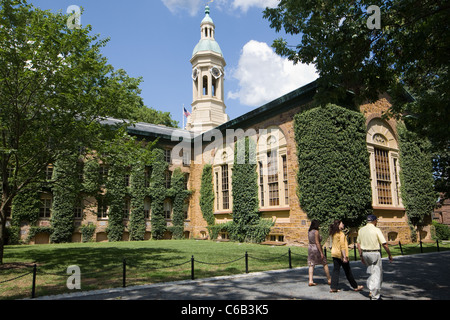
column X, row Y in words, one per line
column 207, row 45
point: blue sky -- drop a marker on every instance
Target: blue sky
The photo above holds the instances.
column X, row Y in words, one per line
column 154, row 39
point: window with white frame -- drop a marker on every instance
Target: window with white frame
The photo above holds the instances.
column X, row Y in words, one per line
column 272, row 169
column 167, row 209
column 222, row 178
column 78, row 209
column 384, row 165
column 102, row 208
column 45, row 210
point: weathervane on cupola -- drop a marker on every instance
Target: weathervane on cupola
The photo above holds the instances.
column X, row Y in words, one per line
column 208, row 65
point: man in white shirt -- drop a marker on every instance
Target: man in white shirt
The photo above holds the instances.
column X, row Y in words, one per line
column 369, row 240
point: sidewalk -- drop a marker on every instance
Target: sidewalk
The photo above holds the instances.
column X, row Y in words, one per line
column 414, row 277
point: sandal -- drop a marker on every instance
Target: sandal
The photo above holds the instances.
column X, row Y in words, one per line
column 334, row 290
column 312, row 284
column 359, row 288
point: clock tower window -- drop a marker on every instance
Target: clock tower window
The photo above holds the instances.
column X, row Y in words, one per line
column 205, row 85
column 214, row 87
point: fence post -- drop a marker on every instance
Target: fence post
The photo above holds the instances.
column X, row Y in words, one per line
column 33, row 286
column 124, row 274
column 246, row 262
column 290, row 259
column 192, row 268
column 401, row 249
column 437, row 244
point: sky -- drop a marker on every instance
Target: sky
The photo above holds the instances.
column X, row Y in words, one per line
column 154, row 39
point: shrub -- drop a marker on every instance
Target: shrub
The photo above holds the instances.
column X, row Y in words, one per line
column 158, row 193
column 87, row 232
column 207, row 195
column 333, row 175
column 441, row 231
column 416, row 176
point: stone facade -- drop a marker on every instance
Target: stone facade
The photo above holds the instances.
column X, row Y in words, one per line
column 442, row 212
column 291, row 222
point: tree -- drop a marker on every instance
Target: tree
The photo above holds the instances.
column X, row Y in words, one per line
column 65, row 194
column 416, row 176
column 158, row 193
column 247, row 224
column 149, row 115
column 207, row 195
column 333, row 175
column 138, row 193
column 179, row 195
column 410, row 51
column 55, row 88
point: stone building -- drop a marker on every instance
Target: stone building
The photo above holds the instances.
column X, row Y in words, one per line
column 442, row 212
column 209, row 138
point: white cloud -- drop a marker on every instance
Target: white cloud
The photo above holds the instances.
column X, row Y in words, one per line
column 244, row 5
column 264, row 76
column 191, row 6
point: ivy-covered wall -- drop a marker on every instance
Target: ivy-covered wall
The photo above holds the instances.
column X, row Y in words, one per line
column 207, row 195
column 179, row 194
column 416, row 177
column 247, row 224
column 138, row 192
column 65, row 191
column 333, row 175
column 158, row 193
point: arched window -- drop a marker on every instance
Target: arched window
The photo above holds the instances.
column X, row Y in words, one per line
column 272, row 168
column 384, row 165
column 223, row 165
column 205, row 85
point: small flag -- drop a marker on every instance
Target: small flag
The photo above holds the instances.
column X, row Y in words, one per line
column 186, row 113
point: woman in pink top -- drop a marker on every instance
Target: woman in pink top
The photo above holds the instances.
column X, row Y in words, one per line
column 315, row 253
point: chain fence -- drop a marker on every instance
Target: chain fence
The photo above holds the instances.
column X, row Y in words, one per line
column 126, row 265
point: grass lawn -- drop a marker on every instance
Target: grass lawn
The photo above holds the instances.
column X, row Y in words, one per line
column 147, row 262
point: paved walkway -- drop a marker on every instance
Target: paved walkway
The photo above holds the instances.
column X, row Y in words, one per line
column 414, row 277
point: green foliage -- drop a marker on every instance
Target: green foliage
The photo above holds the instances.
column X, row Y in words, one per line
column 416, row 176
column 441, row 231
column 36, row 230
column 91, row 177
column 179, row 200
column 13, row 235
column 65, row 191
column 25, row 206
column 207, row 195
column 215, row 229
column 410, row 52
column 334, row 176
column 87, row 232
column 150, row 115
column 115, row 196
column 256, row 233
column 158, row 192
column 247, row 225
column 55, row 99
column 138, row 193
